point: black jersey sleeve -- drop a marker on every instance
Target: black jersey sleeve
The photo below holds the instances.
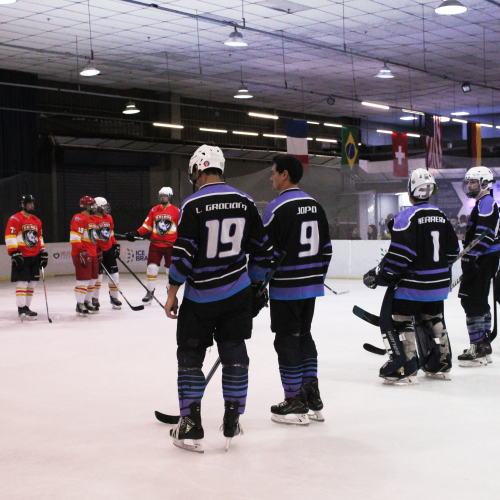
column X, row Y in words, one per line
column 259, row 247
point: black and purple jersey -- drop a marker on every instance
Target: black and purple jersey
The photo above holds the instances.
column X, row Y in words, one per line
column 423, row 244
column 484, row 216
column 297, row 223
column 218, row 226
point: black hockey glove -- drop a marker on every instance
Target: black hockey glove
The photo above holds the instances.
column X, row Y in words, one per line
column 372, row 279
column 117, row 250
column 17, row 259
column 132, row 235
column 258, row 301
column 44, row 259
column 469, row 266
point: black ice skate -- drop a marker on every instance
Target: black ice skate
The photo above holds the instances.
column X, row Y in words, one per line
column 231, row 424
column 81, row 310
column 189, row 427
column 406, row 375
column 442, row 373
column 148, row 298
column 314, row 402
column 292, row 411
column 25, row 313
column 95, row 303
column 90, row 308
column 115, row 302
column 474, row 356
column 487, row 345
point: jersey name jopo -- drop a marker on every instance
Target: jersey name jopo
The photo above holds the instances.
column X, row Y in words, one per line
column 424, row 220
column 305, row 210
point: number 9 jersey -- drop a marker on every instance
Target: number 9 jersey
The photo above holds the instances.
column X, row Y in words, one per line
column 297, row 223
column 218, row 225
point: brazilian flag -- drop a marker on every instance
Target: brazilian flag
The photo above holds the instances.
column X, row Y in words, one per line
column 350, row 151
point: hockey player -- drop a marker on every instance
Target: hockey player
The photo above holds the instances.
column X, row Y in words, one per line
column 296, row 223
column 423, row 244
column 110, row 249
column 479, row 266
column 162, row 222
column 83, row 238
column 217, row 227
column 24, row 240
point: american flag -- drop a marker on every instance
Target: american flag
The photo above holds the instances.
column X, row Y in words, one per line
column 433, row 141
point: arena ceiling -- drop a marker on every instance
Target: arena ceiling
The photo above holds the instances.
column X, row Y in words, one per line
column 298, row 52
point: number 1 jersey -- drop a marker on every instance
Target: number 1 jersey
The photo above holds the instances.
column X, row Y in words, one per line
column 218, row 226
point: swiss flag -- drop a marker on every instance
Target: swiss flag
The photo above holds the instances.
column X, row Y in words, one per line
column 399, row 155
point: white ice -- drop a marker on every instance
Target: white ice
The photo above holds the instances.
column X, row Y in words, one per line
column 77, row 401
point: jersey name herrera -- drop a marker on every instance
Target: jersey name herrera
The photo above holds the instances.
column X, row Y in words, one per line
column 424, row 220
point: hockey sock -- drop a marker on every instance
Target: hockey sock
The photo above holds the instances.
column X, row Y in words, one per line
column 90, row 290
column 97, row 286
column 113, row 290
column 291, row 379
column 475, row 327
column 290, row 362
column 151, row 274
column 235, row 385
column 21, row 287
column 30, row 290
column 81, row 290
column 310, row 371
column 487, row 322
column 190, row 386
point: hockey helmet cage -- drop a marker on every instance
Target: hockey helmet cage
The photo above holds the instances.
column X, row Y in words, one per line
column 25, row 199
column 205, row 157
column 102, row 205
column 87, row 203
column 421, row 184
column 483, row 175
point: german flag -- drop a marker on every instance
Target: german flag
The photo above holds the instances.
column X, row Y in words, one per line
column 474, row 143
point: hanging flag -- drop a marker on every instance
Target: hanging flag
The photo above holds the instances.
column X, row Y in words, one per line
column 349, row 163
column 474, row 143
column 400, row 155
column 296, row 141
column 433, row 142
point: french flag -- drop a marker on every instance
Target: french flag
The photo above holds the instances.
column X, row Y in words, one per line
column 296, row 141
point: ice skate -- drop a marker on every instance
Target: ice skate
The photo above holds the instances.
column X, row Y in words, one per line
column 231, row 423
column 474, row 356
column 95, row 303
column 406, row 375
column 90, row 308
column 189, row 428
column 488, row 350
column 442, row 371
column 115, row 303
column 148, row 298
column 292, row 411
column 81, row 310
column 409, row 380
column 314, row 402
column 26, row 314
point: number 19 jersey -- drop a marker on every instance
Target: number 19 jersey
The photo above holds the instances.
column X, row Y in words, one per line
column 297, row 223
column 218, row 226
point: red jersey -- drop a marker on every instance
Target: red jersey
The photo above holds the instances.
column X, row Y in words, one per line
column 83, row 235
column 24, row 234
column 163, row 223
column 105, row 234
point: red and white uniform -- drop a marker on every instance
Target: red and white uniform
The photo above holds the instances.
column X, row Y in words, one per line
column 24, row 234
column 105, row 234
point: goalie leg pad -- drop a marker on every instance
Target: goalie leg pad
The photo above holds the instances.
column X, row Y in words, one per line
column 439, row 358
column 400, row 344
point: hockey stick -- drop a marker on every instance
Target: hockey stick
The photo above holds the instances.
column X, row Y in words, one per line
column 142, row 284
column 333, row 291
column 45, row 290
column 366, row 316
column 134, row 308
column 173, row 419
column 493, row 335
column 374, row 350
column 124, row 236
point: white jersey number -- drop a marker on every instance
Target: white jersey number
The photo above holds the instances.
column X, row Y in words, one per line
column 230, row 232
column 309, row 235
column 435, row 241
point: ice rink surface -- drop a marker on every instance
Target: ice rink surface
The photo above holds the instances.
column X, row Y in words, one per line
column 77, row 401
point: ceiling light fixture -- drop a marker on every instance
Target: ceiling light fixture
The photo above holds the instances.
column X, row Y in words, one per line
column 445, row 119
column 460, row 113
column 413, row 135
column 384, row 72
column 167, row 125
column 486, row 125
column 130, row 109
column 330, row 100
column 235, row 39
column 6, row 2
column 213, row 130
column 275, row 136
column 466, row 87
column 384, row 131
column 262, row 115
column 412, row 111
column 450, row 8
column 237, row 132
column 243, row 92
column 313, row 123
column 373, row 105
column 408, row 118
column 458, row 120
column 332, row 125
column 90, row 69
column 326, row 140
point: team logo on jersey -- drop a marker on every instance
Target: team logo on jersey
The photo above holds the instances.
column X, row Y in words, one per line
column 30, row 235
column 104, row 234
column 93, row 236
column 163, row 226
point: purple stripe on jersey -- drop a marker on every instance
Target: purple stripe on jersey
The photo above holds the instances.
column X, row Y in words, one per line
column 493, row 248
column 302, row 266
column 397, row 245
column 255, row 272
column 190, row 241
column 176, row 275
column 396, row 263
column 329, row 244
column 263, row 258
column 259, row 243
column 217, row 293
column 304, row 292
column 285, row 196
column 215, row 268
column 433, row 271
column 421, row 295
column 389, row 270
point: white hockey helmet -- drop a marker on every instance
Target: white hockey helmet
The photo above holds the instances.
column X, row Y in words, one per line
column 483, row 175
column 205, row 157
column 421, row 184
column 165, row 195
column 102, row 205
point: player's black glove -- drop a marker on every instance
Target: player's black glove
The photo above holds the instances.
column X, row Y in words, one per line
column 17, row 259
column 258, row 301
column 372, row 279
column 44, row 258
column 117, row 250
column 132, row 235
column 469, row 266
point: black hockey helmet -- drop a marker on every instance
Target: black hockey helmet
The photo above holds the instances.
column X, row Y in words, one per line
column 25, row 199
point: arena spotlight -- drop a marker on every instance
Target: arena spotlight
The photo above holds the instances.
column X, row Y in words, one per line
column 90, row 69
column 466, row 87
column 130, row 109
column 384, row 72
column 450, row 8
column 243, row 93
column 6, row 2
column 235, row 39
column 330, row 100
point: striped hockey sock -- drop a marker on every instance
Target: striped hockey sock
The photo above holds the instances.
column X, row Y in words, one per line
column 21, row 290
column 310, row 370
column 151, row 274
column 291, row 379
column 475, row 327
column 80, row 291
column 97, row 287
column 190, row 386
column 30, row 290
column 487, row 322
column 235, row 386
column 90, row 290
column 113, row 290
